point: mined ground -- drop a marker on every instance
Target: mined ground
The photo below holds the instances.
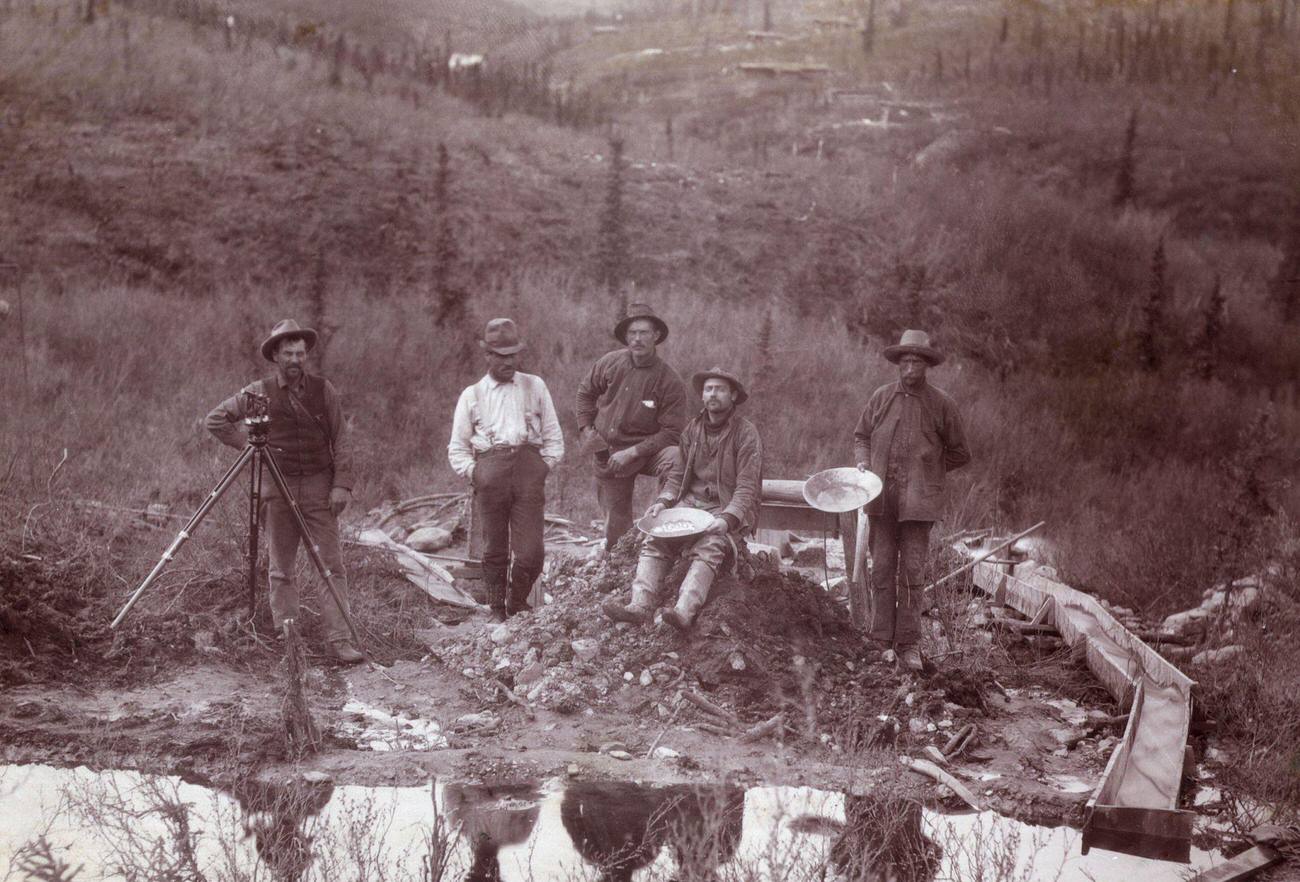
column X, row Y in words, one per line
column 559, row 691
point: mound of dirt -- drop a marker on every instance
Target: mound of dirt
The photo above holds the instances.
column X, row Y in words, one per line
column 43, row 620
column 776, row 643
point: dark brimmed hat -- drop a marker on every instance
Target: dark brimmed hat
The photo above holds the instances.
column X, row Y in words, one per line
column 287, row 328
column 640, row 311
column 717, row 373
column 914, row 343
column 502, row 337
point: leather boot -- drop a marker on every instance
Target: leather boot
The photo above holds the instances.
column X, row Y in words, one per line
column 521, row 585
column 496, row 596
column 694, row 592
column 650, row 573
column 344, row 651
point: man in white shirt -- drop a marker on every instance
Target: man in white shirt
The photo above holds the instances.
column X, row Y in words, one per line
column 505, row 439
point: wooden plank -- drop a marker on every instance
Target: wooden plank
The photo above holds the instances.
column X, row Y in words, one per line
column 847, row 524
column 1243, row 866
column 785, row 516
column 777, row 490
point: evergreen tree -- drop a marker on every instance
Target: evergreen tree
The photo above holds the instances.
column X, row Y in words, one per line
column 612, row 247
column 1284, row 287
column 764, row 348
column 1124, row 178
column 1208, row 344
column 1153, row 312
column 318, row 317
column 450, row 301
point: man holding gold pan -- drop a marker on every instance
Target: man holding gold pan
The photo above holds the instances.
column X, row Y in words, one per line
column 719, row 468
column 911, row 436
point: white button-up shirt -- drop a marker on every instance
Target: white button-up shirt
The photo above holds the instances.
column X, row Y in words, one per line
column 495, row 414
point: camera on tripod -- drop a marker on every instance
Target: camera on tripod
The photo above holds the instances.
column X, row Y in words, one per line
column 257, row 415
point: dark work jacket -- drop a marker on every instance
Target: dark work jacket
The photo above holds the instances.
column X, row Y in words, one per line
column 940, row 448
column 633, row 406
column 299, row 438
column 739, row 483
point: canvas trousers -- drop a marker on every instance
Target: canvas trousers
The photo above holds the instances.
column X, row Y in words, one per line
column 510, row 483
column 711, row 548
column 312, row 493
column 898, row 554
column 614, row 493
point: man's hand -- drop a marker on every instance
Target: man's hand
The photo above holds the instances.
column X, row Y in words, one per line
column 654, row 509
column 719, row 526
column 862, row 467
column 621, row 459
column 589, row 440
column 339, row 499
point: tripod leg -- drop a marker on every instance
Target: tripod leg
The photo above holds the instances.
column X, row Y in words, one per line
column 222, row 486
column 313, row 549
column 254, row 528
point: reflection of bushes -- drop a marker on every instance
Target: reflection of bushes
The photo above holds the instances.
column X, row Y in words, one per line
column 146, row 828
column 621, row 827
column 882, row 839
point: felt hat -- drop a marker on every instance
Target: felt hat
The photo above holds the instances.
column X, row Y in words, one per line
column 640, row 311
column 914, row 343
column 502, row 337
column 717, row 373
column 287, row 328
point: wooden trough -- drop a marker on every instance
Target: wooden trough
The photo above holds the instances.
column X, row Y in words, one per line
column 1134, row 808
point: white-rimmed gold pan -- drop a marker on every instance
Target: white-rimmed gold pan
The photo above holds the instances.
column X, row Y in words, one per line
column 844, row 489
column 674, row 523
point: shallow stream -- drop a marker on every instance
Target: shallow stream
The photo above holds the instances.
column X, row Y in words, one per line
column 119, row 824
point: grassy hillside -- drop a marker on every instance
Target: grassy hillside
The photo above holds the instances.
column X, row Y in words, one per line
column 169, row 193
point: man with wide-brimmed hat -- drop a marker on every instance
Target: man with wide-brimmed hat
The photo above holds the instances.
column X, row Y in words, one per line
column 631, row 410
column 719, row 469
column 309, row 443
column 910, row 435
column 505, row 438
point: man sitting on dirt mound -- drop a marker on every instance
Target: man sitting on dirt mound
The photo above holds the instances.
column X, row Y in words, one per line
column 719, row 469
column 911, row 436
column 505, row 439
column 308, row 441
column 631, row 409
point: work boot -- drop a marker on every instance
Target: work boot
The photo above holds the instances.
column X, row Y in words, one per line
column 521, row 585
column 694, row 592
column 496, row 596
column 345, row 652
column 626, row 612
column 650, row 572
column 909, row 659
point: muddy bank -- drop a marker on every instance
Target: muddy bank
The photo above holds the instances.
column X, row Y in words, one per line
column 786, row 693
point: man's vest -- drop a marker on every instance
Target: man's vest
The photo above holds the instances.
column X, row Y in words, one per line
column 300, row 443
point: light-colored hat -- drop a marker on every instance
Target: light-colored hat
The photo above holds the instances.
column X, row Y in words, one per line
column 914, row 343
column 287, row 328
column 717, row 373
column 640, row 311
column 502, row 337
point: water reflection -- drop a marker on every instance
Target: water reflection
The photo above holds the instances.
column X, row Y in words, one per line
column 621, row 827
column 276, row 816
column 883, row 841
column 128, row 825
column 490, row 817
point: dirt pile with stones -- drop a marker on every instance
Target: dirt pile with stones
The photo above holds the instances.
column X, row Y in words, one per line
column 774, row 645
